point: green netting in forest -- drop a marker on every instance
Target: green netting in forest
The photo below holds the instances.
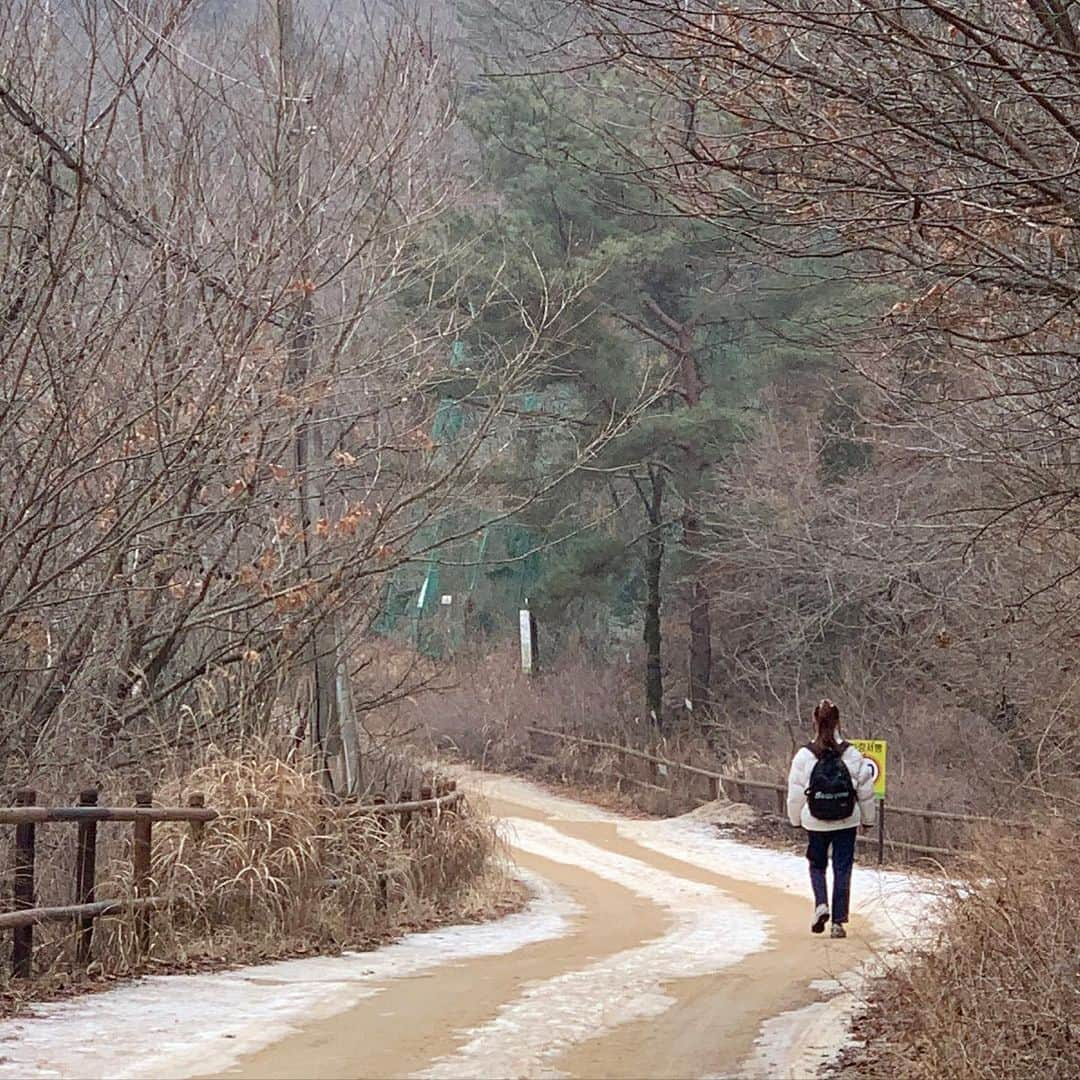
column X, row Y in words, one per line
column 470, row 590
column 460, row 592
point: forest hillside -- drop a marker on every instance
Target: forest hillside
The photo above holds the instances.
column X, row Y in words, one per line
column 731, row 349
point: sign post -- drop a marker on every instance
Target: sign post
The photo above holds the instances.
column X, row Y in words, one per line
column 530, row 660
column 875, row 751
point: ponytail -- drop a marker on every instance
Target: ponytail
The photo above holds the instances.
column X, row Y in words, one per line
column 826, row 721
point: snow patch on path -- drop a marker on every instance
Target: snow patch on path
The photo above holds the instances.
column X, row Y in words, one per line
column 798, row 1043
column 525, row 793
column 794, row 1044
column 896, row 903
column 179, row 1025
column 711, row 931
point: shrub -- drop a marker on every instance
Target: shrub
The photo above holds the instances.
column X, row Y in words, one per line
column 281, row 872
column 997, row 991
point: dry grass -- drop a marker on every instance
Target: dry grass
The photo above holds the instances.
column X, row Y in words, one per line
column 486, row 703
column 484, row 716
column 997, row 993
column 281, row 873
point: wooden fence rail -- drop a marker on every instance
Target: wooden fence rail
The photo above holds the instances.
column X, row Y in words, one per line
column 11, row 920
column 739, row 783
column 26, row 816
column 18, row 815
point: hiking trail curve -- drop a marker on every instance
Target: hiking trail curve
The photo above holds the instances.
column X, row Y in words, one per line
column 650, row 949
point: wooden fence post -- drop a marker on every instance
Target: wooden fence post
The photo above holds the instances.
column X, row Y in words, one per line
column 197, row 801
column 22, row 951
column 406, row 815
column 382, row 826
column 85, row 878
column 425, row 793
column 141, row 848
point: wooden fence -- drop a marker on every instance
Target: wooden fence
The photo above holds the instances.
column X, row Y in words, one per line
column 26, row 815
column 740, row 786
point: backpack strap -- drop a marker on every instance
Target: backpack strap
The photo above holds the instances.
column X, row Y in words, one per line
column 810, row 746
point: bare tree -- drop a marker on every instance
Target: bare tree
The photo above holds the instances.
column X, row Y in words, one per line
column 929, row 148
column 226, row 310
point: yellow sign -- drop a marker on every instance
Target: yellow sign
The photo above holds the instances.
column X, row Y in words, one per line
column 874, row 752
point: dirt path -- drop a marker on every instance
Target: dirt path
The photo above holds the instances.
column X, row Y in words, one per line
column 669, row 969
column 715, row 1020
column 413, row 1021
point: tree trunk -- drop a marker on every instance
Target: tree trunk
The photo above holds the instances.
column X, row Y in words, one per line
column 352, row 759
column 700, row 622
column 680, row 346
column 700, row 630
column 654, row 560
column 324, row 646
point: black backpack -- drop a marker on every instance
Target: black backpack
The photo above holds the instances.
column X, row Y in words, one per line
column 831, row 794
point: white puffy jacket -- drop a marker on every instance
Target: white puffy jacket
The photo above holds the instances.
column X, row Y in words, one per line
column 862, row 776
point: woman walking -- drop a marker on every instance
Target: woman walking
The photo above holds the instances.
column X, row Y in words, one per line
column 830, row 794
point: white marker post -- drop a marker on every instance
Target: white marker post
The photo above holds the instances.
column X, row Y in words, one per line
column 530, row 660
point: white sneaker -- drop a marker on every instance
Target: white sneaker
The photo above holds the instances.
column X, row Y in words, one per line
column 821, row 917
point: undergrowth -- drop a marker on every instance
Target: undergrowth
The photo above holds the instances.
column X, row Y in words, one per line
column 282, row 872
column 996, row 992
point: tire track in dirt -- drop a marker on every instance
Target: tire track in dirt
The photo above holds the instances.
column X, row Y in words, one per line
column 712, row 1028
column 411, row 1022
column 500, row 1015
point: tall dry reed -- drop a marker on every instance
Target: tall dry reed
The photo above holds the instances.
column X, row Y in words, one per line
column 997, row 992
column 282, row 871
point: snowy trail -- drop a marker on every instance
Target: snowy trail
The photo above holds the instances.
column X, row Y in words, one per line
column 652, row 949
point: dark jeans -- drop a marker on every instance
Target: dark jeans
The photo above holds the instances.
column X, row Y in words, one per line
column 842, row 842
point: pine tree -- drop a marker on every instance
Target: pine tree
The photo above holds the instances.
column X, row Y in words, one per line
column 675, row 305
